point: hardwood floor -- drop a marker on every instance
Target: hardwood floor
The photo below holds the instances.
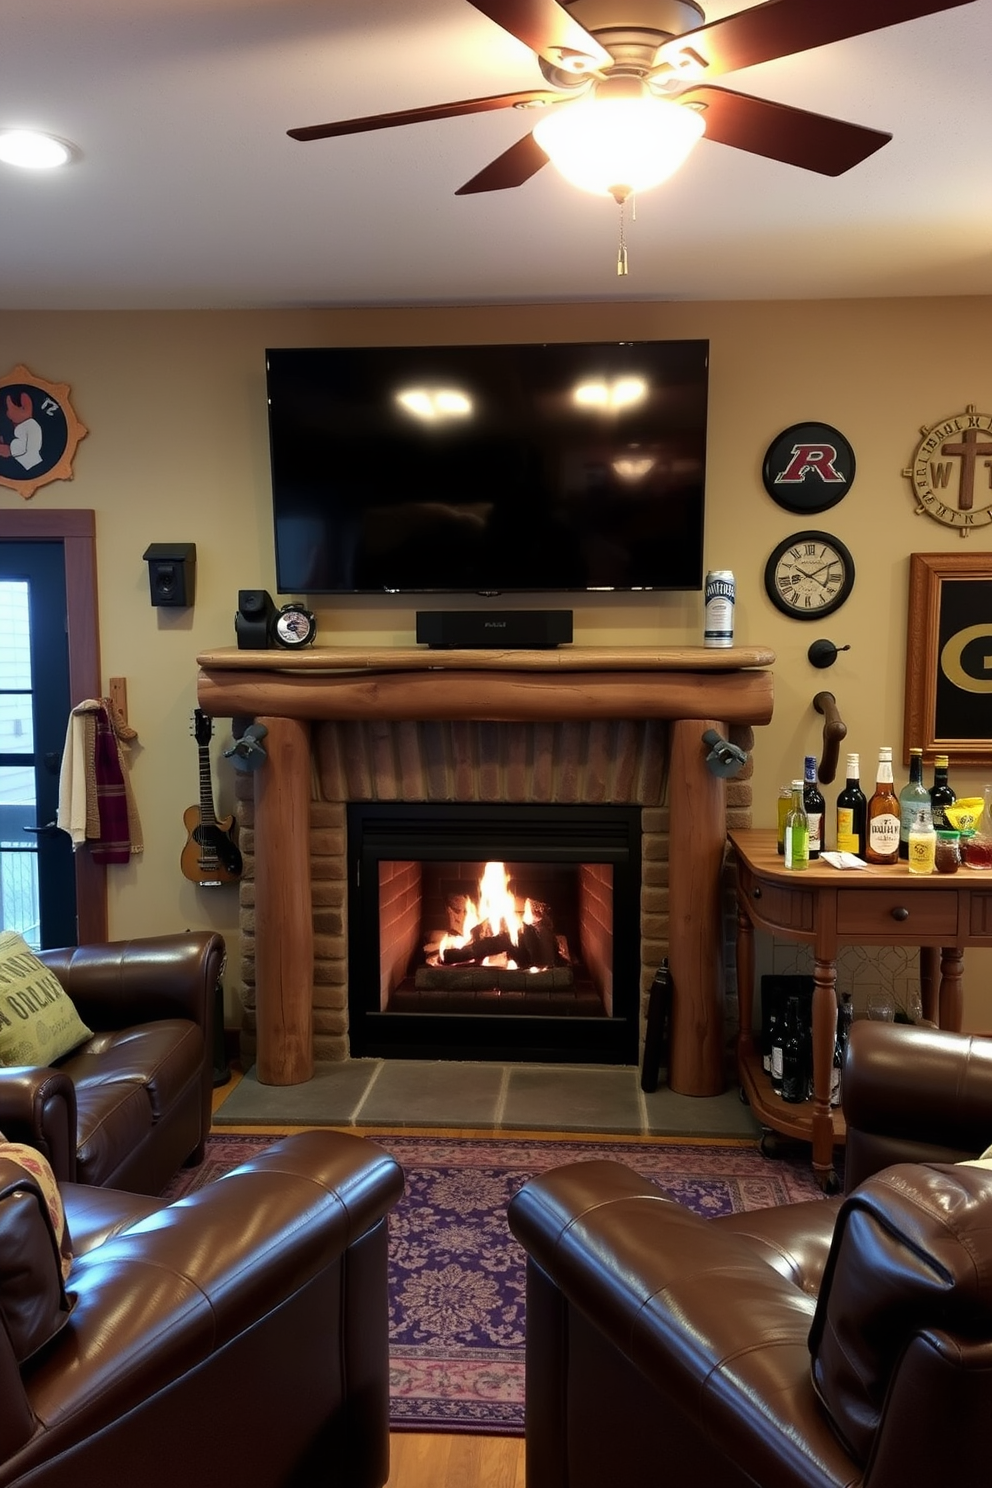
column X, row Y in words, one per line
column 440, row 1460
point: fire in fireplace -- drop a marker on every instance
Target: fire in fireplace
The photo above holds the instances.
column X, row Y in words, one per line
column 495, row 929
column 494, row 932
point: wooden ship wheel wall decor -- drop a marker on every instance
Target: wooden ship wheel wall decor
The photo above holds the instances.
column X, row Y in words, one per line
column 39, row 431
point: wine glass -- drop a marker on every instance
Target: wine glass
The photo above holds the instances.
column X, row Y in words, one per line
column 880, row 1007
column 914, row 1007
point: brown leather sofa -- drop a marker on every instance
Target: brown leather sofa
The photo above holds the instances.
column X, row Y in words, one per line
column 138, row 1094
column 238, row 1335
column 846, row 1341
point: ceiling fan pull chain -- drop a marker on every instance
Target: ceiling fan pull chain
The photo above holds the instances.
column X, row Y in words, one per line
column 622, row 250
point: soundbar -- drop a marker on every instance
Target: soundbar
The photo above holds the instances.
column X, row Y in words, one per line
column 523, row 630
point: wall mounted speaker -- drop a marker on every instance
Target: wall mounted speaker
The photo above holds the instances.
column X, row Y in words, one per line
column 171, row 572
column 254, row 620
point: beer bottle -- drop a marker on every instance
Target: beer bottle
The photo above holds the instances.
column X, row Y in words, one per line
column 941, row 794
column 883, row 814
column 851, row 811
column 813, row 804
column 797, row 831
column 913, row 798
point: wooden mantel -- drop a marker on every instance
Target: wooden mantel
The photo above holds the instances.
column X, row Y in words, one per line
column 692, row 686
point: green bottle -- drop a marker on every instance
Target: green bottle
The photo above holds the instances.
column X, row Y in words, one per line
column 913, row 798
column 797, row 831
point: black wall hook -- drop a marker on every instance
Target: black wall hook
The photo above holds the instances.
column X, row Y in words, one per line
column 824, row 653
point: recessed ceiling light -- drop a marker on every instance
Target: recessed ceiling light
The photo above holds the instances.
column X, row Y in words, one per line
column 32, row 150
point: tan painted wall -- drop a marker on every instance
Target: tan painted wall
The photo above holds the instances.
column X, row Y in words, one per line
column 177, row 451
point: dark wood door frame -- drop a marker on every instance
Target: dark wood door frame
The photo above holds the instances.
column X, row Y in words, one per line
column 76, row 531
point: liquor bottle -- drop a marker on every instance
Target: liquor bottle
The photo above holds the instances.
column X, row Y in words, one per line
column 883, row 814
column 941, row 794
column 797, row 831
column 778, row 1042
column 793, row 1064
column 845, row 1016
column 913, row 798
column 836, row 1069
column 922, row 843
column 784, row 803
column 813, row 804
column 771, row 1024
column 851, row 811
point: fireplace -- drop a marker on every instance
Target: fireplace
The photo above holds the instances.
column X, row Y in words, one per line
column 423, row 713
column 494, row 931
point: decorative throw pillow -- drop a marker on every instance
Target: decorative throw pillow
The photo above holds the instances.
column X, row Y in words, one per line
column 38, row 1022
column 983, row 1160
column 34, row 1305
column 31, row 1160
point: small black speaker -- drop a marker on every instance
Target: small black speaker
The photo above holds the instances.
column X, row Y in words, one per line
column 254, row 620
column 171, row 572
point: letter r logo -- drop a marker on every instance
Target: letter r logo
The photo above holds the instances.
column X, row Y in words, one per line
column 811, row 459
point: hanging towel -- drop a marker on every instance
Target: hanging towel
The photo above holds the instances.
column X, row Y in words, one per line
column 124, row 735
column 96, row 802
column 114, row 845
column 77, row 812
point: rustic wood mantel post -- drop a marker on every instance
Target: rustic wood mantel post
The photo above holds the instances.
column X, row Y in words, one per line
column 283, row 912
column 697, row 835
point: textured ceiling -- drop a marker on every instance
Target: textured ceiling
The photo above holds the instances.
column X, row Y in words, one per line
column 188, row 193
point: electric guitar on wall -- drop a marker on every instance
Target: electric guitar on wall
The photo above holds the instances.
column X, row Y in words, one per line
column 211, row 856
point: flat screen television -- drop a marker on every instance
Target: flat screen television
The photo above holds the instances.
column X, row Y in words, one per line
column 488, row 469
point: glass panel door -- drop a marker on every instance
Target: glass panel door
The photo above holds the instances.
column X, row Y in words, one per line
column 37, row 882
column 19, row 907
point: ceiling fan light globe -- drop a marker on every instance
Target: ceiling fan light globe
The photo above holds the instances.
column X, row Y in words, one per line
column 606, row 145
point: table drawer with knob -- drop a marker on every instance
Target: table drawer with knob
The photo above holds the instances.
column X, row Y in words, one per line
column 896, row 912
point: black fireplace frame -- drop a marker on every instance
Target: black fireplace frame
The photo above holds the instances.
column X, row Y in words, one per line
column 520, row 832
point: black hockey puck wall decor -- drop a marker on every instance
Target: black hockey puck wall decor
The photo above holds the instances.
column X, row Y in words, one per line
column 808, row 468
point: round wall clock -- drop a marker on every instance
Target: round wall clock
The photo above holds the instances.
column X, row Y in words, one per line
column 808, row 468
column 809, row 575
column 39, row 431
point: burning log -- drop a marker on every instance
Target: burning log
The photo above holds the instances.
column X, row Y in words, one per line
column 537, row 946
column 457, row 906
column 481, row 947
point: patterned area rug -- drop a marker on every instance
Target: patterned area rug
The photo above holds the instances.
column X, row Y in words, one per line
column 457, row 1275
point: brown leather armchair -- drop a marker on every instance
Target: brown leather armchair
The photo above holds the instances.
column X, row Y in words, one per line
column 238, row 1335
column 138, row 1094
column 846, row 1341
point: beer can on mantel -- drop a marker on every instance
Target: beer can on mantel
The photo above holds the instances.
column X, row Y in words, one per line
column 720, row 593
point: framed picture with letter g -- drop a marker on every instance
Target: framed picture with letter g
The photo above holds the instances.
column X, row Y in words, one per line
column 949, row 657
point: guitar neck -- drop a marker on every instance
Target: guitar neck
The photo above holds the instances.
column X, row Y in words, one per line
column 207, row 815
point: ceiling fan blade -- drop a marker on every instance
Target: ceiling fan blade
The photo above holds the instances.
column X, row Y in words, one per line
column 548, row 29
column 781, row 28
column 814, row 142
column 515, row 166
column 423, row 115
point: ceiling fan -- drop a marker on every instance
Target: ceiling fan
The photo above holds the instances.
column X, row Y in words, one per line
column 662, row 54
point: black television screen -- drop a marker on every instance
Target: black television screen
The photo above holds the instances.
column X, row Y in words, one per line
column 488, row 469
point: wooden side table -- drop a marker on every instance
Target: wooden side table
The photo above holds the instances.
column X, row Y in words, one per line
column 826, row 908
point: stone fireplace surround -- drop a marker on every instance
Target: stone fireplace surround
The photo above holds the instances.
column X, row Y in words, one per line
column 576, row 723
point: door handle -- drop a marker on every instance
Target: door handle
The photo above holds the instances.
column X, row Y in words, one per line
column 48, row 830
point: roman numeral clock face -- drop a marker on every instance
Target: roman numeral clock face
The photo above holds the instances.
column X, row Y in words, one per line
column 809, row 575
